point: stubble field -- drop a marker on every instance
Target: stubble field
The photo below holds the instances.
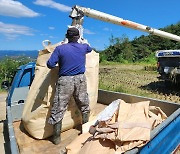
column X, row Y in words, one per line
column 134, row 79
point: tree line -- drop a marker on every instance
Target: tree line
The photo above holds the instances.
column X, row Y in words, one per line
column 122, row 50
column 9, row 65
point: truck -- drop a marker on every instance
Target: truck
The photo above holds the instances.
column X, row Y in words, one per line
column 165, row 138
column 168, row 66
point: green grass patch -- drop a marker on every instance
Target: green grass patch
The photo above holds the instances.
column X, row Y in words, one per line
column 109, row 63
column 112, row 87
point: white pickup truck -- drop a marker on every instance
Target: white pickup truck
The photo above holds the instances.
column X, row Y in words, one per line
column 168, row 63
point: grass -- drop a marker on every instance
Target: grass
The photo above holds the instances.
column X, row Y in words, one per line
column 109, row 63
column 111, row 88
column 136, row 79
column 2, row 91
column 123, row 89
column 126, row 78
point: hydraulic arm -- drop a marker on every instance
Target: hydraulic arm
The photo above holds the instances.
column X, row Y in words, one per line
column 78, row 13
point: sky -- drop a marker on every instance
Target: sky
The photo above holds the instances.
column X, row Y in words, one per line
column 24, row 24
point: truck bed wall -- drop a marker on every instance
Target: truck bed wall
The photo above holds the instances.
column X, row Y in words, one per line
column 106, row 97
column 166, row 136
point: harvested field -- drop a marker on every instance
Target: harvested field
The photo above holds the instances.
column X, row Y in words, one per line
column 133, row 79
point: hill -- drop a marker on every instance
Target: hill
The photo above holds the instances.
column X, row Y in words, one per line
column 122, row 49
column 14, row 53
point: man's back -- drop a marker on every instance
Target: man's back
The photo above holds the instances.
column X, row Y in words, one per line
column 71, row 58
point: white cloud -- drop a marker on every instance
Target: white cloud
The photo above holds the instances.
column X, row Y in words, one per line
column 107, row 29
column 43, row 34
column 12, row 31
column 87, row 31
column 51, row 28
column 15, row 9
column 52, row 37
column 52, row 4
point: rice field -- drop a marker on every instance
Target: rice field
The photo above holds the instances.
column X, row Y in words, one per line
column 134, row 79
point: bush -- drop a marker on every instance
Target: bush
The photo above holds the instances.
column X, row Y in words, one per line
column 8, row 67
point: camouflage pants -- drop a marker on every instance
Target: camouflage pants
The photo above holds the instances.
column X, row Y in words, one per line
column 66, row 87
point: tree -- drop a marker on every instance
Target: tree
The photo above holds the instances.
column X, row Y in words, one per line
column 8, row 66
column 122, row 49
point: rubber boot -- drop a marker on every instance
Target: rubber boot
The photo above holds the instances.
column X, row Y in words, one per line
column 56, row 138
column 85, row 118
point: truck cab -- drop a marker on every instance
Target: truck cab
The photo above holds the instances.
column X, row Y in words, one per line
column 168, row 65
column 20, row 83
column 18, row 89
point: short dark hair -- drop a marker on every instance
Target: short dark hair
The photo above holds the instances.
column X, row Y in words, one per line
column 71, row 32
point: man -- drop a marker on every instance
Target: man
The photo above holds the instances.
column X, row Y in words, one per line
column 71, row 58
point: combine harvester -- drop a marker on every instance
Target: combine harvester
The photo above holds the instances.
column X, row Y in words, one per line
column 165, row 138
column 169, row 66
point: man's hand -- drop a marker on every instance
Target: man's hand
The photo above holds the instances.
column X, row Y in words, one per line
column 92, row 130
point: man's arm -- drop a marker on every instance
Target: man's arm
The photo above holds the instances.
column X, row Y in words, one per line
column 89, row 49
column 53, row 60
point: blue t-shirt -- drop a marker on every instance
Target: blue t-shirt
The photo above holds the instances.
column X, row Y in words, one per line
column 71, row 58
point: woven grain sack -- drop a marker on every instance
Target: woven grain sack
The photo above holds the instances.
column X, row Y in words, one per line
column 40, row 97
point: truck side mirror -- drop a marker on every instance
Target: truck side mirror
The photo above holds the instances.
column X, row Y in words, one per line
column 5, row 85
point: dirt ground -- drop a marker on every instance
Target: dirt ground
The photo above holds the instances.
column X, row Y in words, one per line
column 3, row 132
column 133, row 79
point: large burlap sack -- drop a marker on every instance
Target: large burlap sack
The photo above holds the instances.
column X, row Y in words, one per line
column 85, row 144
column 40, row 97
column 134, row 121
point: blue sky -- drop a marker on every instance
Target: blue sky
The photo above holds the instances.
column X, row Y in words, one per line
column 24, row 24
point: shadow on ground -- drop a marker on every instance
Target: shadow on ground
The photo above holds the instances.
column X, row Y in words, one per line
column 162, row 87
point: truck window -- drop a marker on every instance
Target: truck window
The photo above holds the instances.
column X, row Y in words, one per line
column 26, row 78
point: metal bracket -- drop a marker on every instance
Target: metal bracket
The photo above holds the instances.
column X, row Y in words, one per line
column 77, row 16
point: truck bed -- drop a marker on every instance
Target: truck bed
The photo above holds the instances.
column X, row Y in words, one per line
column 165, row 136
column 29, row 145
